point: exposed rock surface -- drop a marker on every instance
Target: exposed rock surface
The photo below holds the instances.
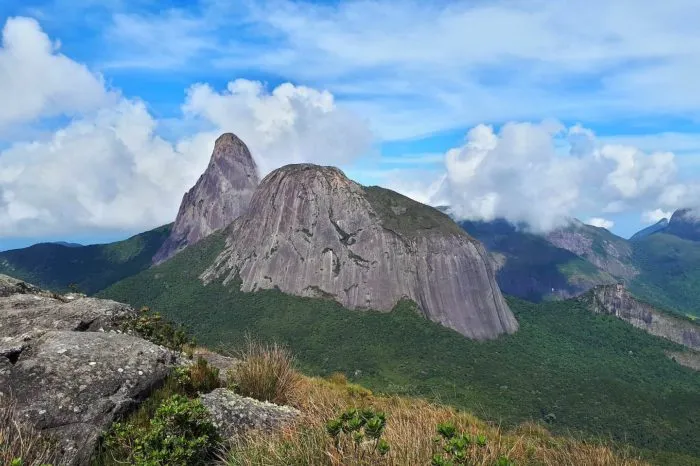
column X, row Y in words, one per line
column 689, row 359
column 601, row 248
column 221, row 194
column 311, row 231
column 617, row 301
column 69, row 374
column 685, row 223
column 234, row 415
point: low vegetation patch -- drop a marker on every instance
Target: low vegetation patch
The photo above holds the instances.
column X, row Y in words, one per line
column 20, row 443
column 266, row 372
column 153, row 327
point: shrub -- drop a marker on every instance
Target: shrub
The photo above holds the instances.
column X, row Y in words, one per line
column 180, row 433
column 266, row 373
column 359, row 433
column 199, row 377
column 20, row 443
column 338, row 378
column 152, row 327
column 460, row 447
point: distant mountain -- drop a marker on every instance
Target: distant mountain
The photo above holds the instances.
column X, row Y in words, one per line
column 530, row 267
column 68, row 245
column 650, row 230
column 685, row 223
column 89, row 268
column 220, row 195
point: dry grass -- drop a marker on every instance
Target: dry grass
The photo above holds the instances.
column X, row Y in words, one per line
column 19, row 440
column 265, row 372
column 411, row 427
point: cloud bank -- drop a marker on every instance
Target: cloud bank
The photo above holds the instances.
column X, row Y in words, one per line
column 107, row 167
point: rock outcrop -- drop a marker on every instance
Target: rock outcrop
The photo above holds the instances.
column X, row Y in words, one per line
column 221, row 195
column 601, row 248
column 234, row 415
column 685, row 223
column 310, row 231
column 616, row 300
column 68, row 369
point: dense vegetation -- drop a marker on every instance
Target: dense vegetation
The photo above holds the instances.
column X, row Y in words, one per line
column 578, row 371
column 669, row 272
column 534, row 269
column 84, row 268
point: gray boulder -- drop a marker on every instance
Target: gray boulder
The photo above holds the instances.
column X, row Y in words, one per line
column 235, row 415
column 68, row 368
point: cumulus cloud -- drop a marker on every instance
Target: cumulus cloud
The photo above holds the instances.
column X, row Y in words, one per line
column 522, row 174
column 109, row 169
column 653, row 216
column 288, row 125
column 601, row 222
column 37, row 81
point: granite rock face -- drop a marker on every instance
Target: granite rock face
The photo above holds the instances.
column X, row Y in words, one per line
column 69, row 370
column 234, row 415
column 616, row 300
column 601, row 248
column 221, row 195
column 310, row 231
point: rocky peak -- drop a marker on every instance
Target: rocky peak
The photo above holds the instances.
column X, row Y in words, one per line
column 221, row 195
column 311, row 231
column 685, row 223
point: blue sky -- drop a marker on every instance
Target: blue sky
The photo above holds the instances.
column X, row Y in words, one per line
column 533, row 110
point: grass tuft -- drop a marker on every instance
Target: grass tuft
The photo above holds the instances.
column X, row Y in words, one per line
column 20, row 443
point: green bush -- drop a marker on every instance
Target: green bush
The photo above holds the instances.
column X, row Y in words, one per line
column 459, row 447
column 199, row 377
column 152, row 327
column 180, row 433
column 358, row 433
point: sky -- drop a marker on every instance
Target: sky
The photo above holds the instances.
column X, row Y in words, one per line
column 537, row 111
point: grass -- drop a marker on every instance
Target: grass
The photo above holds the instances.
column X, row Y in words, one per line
column 88, row 268
column 265, row 372
column 20, row 441
column 598, row 376
column 410, row 428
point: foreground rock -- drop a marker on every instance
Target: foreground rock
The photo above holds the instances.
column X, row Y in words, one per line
column 234, row 415
column 616, row 300
column 70, row 375
column 221, row 194
column 310, row 231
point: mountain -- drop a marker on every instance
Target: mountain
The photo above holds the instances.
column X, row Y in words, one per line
column 650, row 230
column 310, row 231
column 530, row 267
column 221, row 194
column 67, row 244
column 89, row 268
column 585, row 372
column 598, row 246
column 685, row 223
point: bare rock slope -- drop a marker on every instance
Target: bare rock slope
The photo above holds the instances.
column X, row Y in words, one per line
column 221, row 194
column 616, row 300
column 310, row 231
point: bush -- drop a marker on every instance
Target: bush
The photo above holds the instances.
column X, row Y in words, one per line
column 266, row 373
column 199, row 377
column 20, row 443
column 460, row 448
column 180, row 433
column 358, row 433
column 152, row 327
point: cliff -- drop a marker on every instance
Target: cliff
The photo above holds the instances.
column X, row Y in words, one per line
column 221, row 194
column 310, row 231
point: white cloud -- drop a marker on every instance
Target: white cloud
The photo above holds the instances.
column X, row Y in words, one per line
column 37, row 81
column 291, row 124
column 653, row 216
column 108, row 168
column 601, row 222
column 519, row 174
